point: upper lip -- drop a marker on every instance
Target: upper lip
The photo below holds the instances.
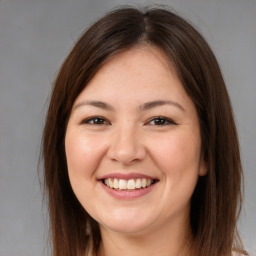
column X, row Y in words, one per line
column 126, row 176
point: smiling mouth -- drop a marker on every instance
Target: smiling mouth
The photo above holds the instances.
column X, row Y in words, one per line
column 128, row 185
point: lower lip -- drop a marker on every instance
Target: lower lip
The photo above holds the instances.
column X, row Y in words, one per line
column 124, row 194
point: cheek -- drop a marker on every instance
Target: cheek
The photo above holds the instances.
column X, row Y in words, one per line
column 179, row 157
column 83, row 153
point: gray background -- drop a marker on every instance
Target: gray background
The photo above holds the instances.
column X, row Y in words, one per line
column 36, row 35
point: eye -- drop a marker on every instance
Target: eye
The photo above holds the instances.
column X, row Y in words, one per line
column 161, row 121
column 95, row 120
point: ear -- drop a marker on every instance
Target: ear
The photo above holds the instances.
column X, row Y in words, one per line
column 202, row 171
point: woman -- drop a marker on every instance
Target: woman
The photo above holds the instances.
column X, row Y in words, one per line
column 140, row 147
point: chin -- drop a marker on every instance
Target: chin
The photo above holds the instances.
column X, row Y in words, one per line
column 126, row 229
column 126, row 224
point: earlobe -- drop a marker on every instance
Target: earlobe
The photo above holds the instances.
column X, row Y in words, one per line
column 203, row 168
column 202, row 172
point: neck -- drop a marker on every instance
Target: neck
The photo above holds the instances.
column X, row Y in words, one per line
column 167, row 240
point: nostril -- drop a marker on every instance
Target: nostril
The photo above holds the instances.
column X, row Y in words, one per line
column 126, row 149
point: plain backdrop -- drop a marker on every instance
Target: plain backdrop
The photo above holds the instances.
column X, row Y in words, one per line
column 35, row 37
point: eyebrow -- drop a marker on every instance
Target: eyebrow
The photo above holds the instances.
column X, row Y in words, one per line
column 95, row 103
column 157, row 103
column 144, row 107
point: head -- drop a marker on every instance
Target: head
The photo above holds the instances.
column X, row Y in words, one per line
column 215, row 203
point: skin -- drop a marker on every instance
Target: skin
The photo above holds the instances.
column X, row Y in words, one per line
column 130, row 139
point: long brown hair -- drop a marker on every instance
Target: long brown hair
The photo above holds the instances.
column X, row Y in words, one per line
column 216, row 202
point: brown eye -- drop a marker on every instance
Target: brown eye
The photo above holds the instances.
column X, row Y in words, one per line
column 161, row 121
column 96, row 121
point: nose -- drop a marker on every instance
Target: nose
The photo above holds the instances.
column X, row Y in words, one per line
column 126, row 146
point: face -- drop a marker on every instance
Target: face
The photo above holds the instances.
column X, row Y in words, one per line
column 133, row 144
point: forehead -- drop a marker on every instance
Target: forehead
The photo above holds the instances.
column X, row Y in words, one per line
column 140, row 67
column 146, row 56
column 135, row 77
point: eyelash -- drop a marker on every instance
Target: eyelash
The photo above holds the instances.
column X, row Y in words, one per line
column 163, row 121
column 99, row 120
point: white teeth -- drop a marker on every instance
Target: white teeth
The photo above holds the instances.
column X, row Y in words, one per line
column 122, row 184
column 138, row 183
column 110, row 183
column 131, row 184
column 116, row 183
column 144, row 183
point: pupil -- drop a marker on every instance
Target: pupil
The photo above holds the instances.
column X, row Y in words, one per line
column 98, row 121
column 160, row 121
